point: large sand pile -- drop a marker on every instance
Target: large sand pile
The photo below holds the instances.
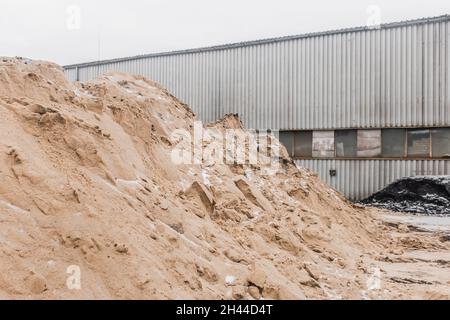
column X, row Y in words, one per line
column 87, row 180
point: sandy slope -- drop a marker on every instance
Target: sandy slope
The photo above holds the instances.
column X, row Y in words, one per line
column 86, row 179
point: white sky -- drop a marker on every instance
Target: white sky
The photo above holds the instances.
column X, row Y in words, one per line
column 45, row 29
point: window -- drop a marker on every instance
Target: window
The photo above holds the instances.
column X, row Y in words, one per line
column 346, row 143
column 287, row 139
column 393, row 143
column 303, row 144
column 369, row 143
column 419, row 143
column 441, row 142
column 323, row 144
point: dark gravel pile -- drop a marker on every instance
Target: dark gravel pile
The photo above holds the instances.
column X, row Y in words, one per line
column 424, row 195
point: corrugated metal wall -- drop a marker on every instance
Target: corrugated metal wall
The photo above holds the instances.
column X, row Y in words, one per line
column 358, row 179
column 396, row 76
column 388, row 77
column 71, row 73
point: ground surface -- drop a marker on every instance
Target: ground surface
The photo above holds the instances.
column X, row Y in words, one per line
column 421, row 264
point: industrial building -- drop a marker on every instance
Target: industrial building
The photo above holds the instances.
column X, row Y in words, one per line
column 360, row 106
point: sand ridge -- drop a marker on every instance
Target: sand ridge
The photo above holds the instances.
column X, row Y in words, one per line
column 87, row 180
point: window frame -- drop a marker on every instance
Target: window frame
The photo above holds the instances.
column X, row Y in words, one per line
column 430, row 142
column 297, row 133
column 331, row 151
column 358, row 145
column 405, row 144
column 432, row 133
column 353, row 131
column 381, row 157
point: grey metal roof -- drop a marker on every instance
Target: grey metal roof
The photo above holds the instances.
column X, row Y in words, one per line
column 442, row 18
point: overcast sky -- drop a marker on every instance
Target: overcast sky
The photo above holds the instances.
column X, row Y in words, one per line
column 76, row 31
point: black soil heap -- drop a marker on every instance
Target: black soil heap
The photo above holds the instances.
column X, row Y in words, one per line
column 425, row 195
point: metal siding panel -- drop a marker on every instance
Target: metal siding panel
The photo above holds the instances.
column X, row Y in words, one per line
column 378, row 80
column 447, row 74
column 71, row 74
column 358, row 179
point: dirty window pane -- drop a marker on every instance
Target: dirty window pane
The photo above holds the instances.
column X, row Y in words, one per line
column 323, row 144
column 441, row 142
column 346, row 143
column 303, row 144
column 393, row 143
column 287, row 139
column 418, row 143
column 369, row 143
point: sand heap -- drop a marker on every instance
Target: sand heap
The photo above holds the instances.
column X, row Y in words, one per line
column 87, row 182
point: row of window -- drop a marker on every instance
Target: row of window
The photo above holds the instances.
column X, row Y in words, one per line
column 380, row 143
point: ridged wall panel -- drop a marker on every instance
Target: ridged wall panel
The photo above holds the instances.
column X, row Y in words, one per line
column 358, row 179
column 387, row 77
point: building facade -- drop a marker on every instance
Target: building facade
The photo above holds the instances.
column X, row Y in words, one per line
column 360, row 106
